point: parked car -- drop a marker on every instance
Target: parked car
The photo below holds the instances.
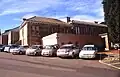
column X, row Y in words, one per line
column 18, row 50
column 25, row 47
column 1, row 48
column 68, row 50
column 13, row 47
column 34, row 50
column 49, row 50
column 88, row 51
column 8, row 47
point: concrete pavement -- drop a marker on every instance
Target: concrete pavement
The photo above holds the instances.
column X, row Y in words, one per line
column 112, row 59
column 27, row 66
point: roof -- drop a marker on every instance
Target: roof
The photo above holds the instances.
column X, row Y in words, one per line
column 87, row 23
column 46, row 21
column 14, row 29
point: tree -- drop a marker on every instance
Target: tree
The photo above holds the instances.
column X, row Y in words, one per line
column 112, row 15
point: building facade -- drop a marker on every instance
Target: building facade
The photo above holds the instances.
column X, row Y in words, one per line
column 10, row 36
column 62, row 38
column 32, row 30
column 88, row 28
column 3, row 39
column 13, row 37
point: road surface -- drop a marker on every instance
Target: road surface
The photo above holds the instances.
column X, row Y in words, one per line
column 28, row 66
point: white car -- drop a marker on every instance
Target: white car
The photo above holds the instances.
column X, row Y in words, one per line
column 17, row 50
column 8, row 47
column 34, row 50
column 49, row 50
column 88, row 51
column 68, row 50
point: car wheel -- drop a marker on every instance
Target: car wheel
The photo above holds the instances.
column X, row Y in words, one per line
column 73, row 55
column 20, row 53
column 13, row 53
column 53, row 54
column 37, row 53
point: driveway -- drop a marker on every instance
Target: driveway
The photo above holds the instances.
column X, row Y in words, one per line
column 30, row 66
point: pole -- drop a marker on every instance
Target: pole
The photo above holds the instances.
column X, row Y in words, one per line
column 119, row 54
column 100, row 56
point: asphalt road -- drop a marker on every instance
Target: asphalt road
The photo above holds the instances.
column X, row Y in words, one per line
column 27, row 66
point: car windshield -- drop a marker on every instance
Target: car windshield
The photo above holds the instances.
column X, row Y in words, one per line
column 26, row 46
column 89, row 48
column 34, row 47
column 67, row 47
column 49, row 47
column 15, row 46
column 41, row 47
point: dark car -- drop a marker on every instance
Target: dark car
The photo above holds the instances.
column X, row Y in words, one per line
column 1, row 48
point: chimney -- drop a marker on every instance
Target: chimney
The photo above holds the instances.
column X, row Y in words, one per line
column 68, row 19
column 24, row 19
column 96, row 22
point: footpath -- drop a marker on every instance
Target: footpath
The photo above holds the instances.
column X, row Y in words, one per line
column 112, row 59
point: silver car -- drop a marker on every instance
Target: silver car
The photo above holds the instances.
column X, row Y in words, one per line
column 34, row 50
column 18, row 50
column 49, row 50
column 68, row 50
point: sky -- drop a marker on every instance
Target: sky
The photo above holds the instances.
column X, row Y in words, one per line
column 13, row 11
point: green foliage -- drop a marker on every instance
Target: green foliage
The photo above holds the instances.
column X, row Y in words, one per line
column 112, row 18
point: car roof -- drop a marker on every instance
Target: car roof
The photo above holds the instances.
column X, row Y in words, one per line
column 68, row 45
column 89, row 45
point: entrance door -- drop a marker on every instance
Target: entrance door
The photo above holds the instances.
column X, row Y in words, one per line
column 104, row 44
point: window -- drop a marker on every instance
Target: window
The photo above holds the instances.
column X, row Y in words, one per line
column 78, row 30
column 49, row 47
column 37, row 28
column 66, row 47
column 34, row 47
column 52, row 30
column 83, row 30
column 33, row 33
column 33, row 28
column 91, row 30
column 89, row 48
column 67, row 30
